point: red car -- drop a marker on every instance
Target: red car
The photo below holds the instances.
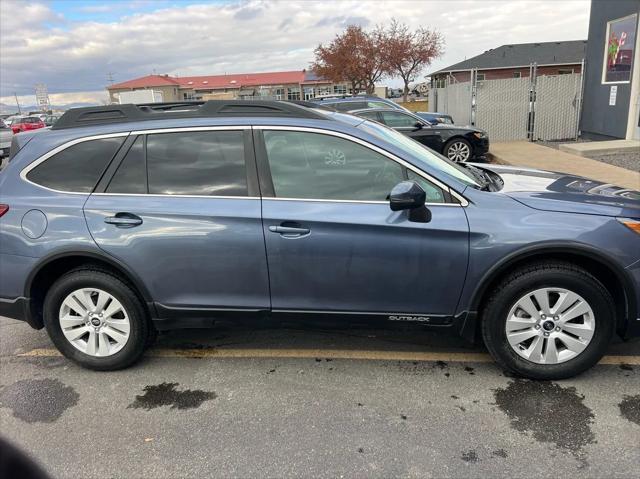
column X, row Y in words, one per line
column 26, row 123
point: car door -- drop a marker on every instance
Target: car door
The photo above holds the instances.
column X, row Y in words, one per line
column 182, row 211
column 334, row 245
column 406, row 124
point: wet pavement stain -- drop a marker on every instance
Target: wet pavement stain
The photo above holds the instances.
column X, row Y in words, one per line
column 550, row 412
column 626, row 367
column 500, row 453
column 165, row 394
column 470, row 456
column 630, row 408
column 441, row 364
column 38, row 400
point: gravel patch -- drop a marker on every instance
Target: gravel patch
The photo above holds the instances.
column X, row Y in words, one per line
column 629, row 160
column 624, row 159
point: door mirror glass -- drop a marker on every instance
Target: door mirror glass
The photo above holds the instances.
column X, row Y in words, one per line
column 407, row 195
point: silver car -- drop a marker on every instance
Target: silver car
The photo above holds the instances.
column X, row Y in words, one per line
column 6, row 135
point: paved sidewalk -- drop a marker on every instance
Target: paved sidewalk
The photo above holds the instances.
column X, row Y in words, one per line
column 527, row 154
column 590, row 148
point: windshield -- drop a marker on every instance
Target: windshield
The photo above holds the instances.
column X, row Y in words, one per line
column 429, row 157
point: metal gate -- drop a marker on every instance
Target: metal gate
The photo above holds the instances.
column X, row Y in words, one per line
column 538, row 107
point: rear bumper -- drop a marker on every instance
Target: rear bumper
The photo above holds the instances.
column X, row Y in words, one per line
column 18, row 308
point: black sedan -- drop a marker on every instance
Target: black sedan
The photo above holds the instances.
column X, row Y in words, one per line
column 458, row 143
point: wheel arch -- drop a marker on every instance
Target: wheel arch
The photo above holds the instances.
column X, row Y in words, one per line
column 613, row 276
column 51, row 267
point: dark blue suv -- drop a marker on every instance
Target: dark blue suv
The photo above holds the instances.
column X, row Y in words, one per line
column 123, row 220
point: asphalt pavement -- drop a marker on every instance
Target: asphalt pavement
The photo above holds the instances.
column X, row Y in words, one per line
column 309, row 402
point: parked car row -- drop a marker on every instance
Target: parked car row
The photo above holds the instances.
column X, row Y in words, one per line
column 433, row 130
column 19, row 123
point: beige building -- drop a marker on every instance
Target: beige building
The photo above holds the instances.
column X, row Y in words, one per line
column 288, row 85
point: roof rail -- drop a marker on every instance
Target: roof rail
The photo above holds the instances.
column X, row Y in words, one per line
column 109, row 114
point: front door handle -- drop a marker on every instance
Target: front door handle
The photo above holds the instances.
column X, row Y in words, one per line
column 289, row 231
column 124, row 220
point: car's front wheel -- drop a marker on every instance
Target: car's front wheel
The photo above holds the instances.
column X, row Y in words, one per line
column 549, row 320
column 96, row 319
column 458, row 150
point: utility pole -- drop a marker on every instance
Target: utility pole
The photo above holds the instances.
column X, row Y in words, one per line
column 17, row 103
column 110, row 78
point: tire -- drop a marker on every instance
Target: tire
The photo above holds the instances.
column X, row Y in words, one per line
column 549, row 277
column 461, row 145
column 116, row 355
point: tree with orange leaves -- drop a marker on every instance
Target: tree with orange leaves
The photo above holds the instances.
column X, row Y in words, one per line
column 352, row 56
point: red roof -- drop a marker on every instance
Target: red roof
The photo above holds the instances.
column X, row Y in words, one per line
column 216, row 82
column 147, row 81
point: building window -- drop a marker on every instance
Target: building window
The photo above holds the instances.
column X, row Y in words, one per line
column 323, row 91
column 480, row 76
column 340, row 89
column 278, row 93
column 293, row 94
column 565, row 71
column 517, row 74
column 439, row 83
column 309, row 93
column 619, row 49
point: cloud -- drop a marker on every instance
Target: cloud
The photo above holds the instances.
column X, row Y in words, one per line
column 40, row 45
column 343, row 21
column 250, row 12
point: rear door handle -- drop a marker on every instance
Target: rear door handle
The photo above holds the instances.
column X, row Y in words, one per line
column 289, row 231
column 124, row 220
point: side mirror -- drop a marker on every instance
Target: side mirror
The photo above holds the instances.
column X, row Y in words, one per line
column 409, row 195
column 418, row 126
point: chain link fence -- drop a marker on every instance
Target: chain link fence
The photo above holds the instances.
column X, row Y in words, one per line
column 544, row 107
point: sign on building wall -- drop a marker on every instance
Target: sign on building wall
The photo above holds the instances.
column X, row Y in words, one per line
column 619, row 49
column 613, row 94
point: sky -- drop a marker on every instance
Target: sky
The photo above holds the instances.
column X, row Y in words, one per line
column 73, row 46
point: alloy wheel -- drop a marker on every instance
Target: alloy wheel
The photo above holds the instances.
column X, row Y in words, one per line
column 550, row 326
column 458, row 152
column 94, row 322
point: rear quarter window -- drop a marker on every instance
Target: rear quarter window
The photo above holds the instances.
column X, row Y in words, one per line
column 77, row 168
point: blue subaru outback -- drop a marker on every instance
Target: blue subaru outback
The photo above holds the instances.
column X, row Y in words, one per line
column 124, row 220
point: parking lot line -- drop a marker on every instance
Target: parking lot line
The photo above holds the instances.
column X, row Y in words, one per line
column 326, row 353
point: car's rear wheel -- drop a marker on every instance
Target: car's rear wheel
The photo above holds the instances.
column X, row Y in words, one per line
column 458, row 150
column 548, row 321
column 96, row 319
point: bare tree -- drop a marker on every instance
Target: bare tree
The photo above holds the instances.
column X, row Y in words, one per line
column 406, row 53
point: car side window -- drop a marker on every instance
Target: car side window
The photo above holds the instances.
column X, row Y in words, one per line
column 369, row 115
column 202, row 163
column 131, row 176
column 77, row 168
column 398, row 120
column 318, row 166
column 377, row 104
column 434, row 194
column 348, row 105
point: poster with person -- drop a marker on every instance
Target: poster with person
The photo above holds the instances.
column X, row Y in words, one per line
column 619, row 50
